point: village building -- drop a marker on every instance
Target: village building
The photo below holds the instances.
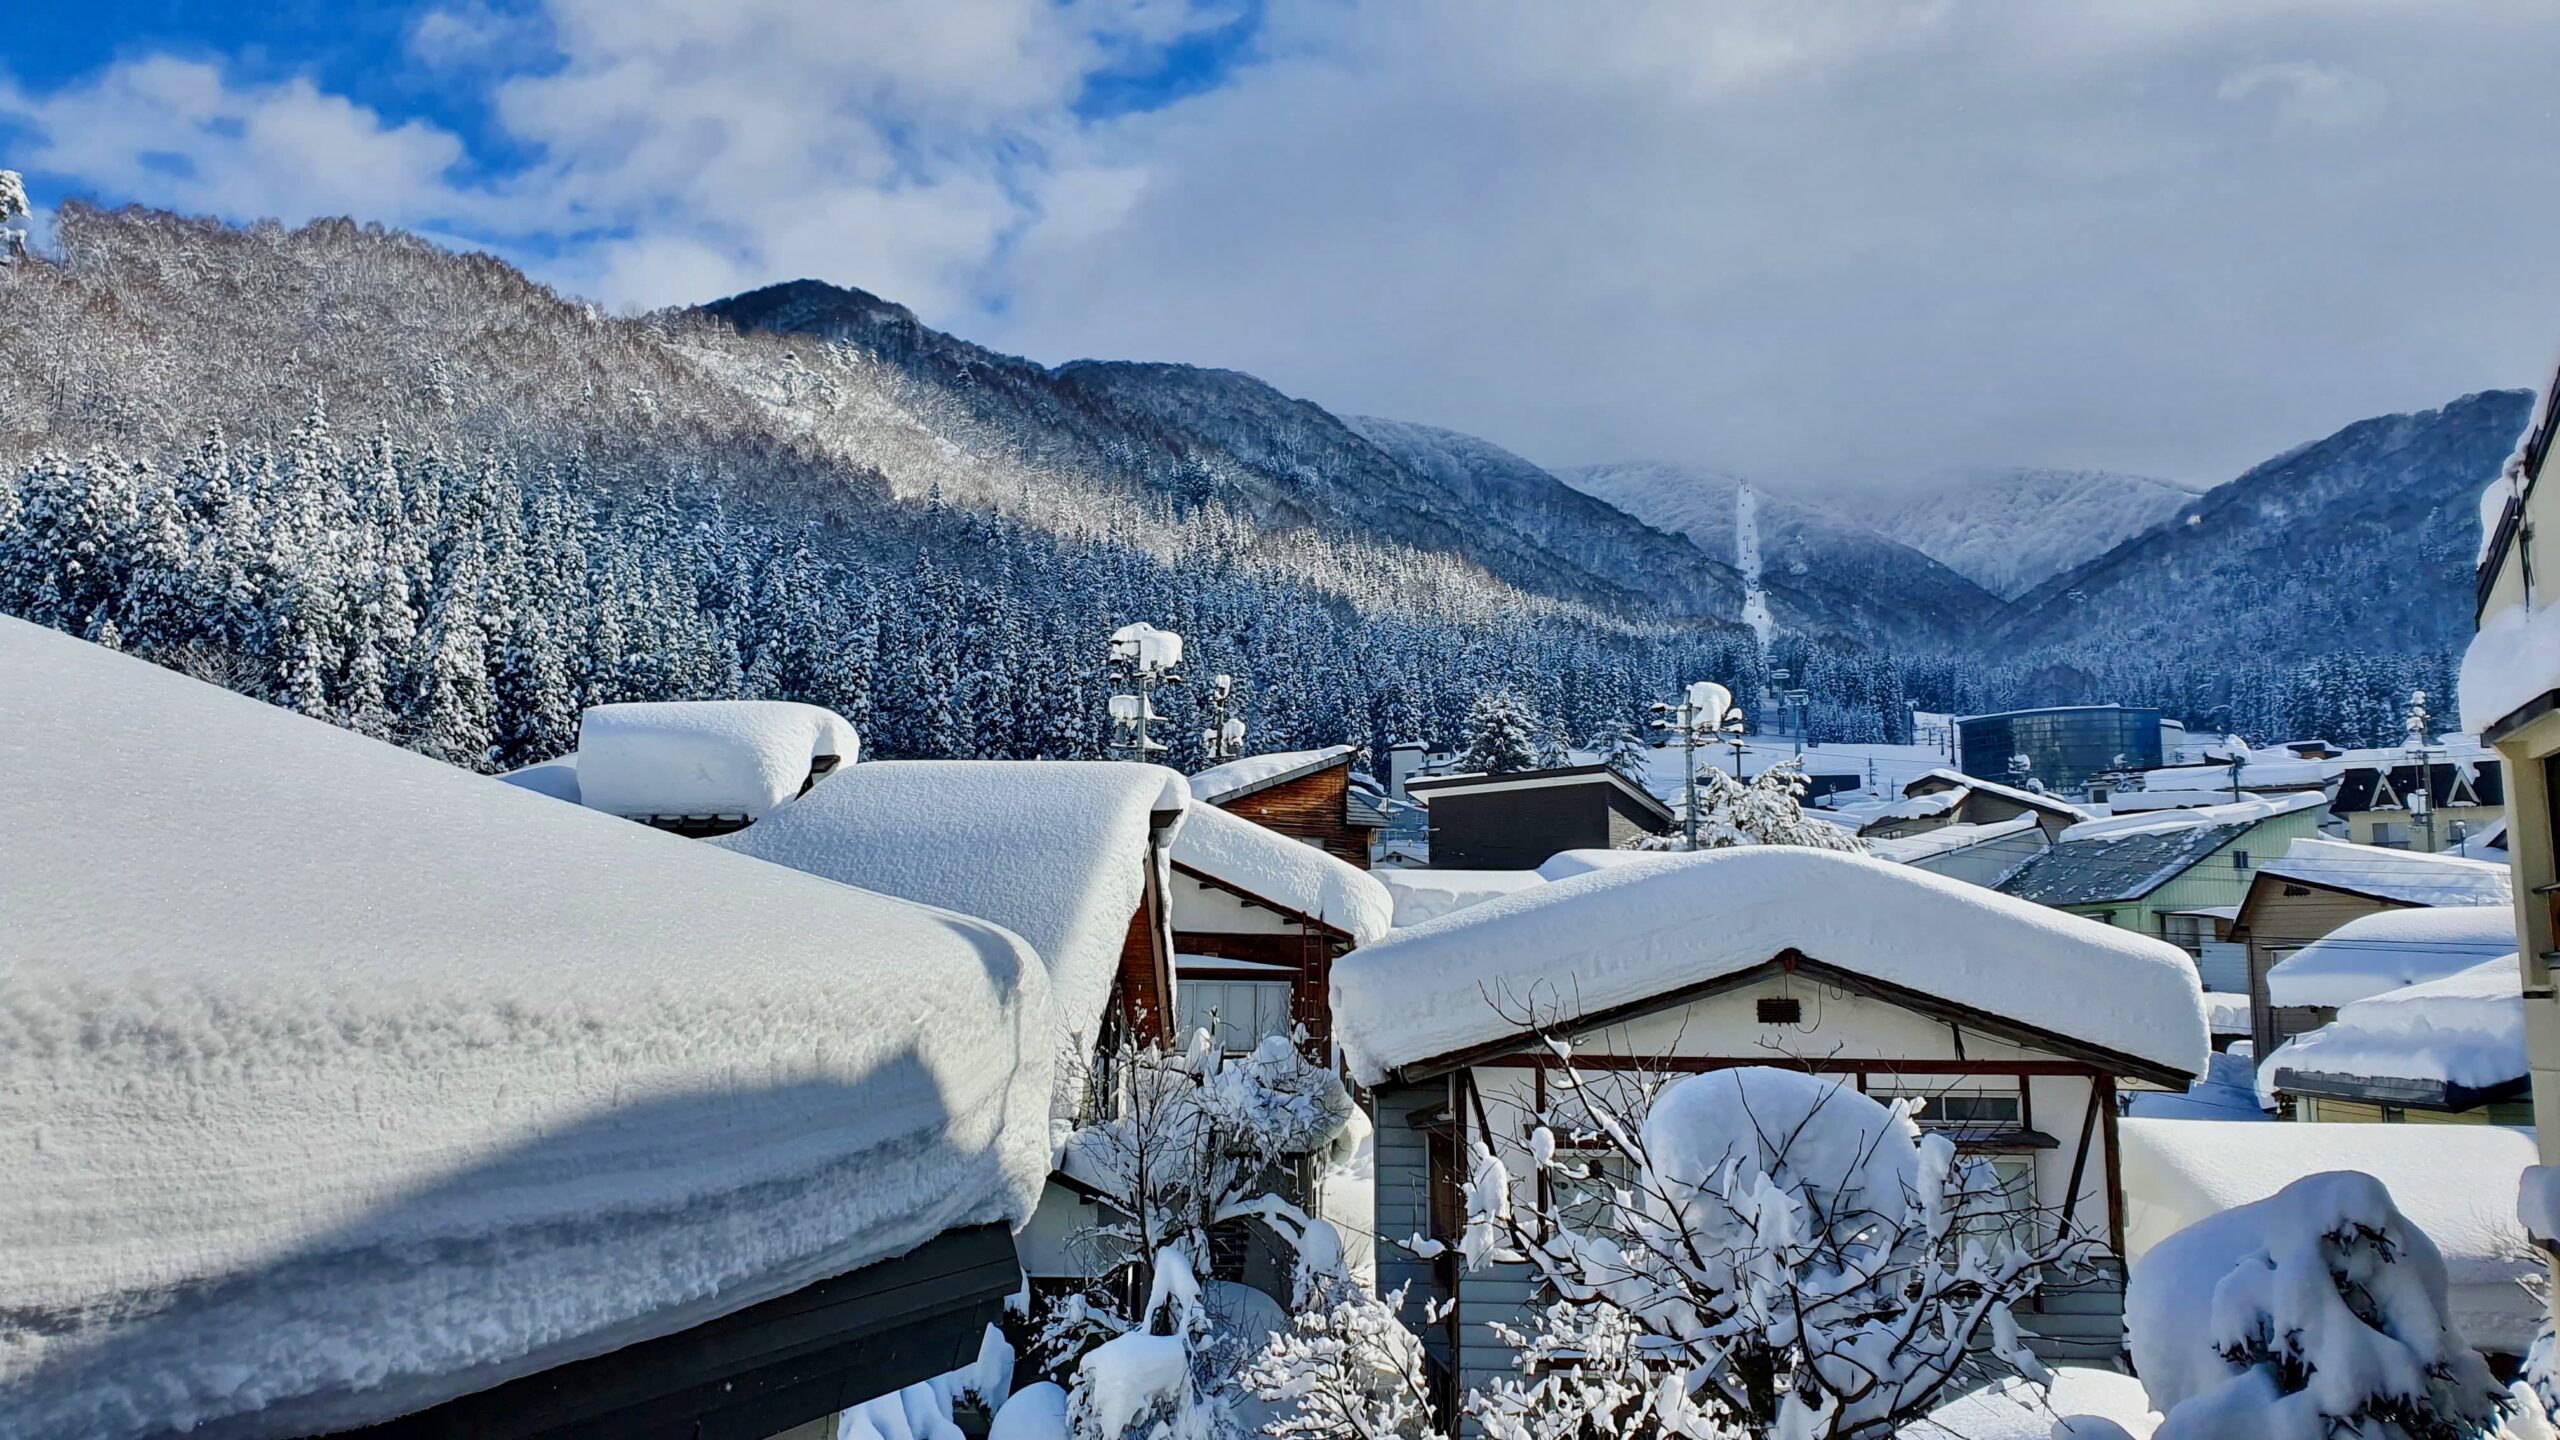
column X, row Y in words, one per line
column 1515, row 821
column 1258, row 920
column 2455, row 1183
column 1981, row 854
column 1942, row 798
column 2154, row 872
column 1313, row 795
column 2018, row 1029
column 2318, row 886
column 2448, row 1050
column 414, row 1101
column 2379, row 800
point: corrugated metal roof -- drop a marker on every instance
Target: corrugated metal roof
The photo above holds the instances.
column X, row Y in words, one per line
column 2097, row 871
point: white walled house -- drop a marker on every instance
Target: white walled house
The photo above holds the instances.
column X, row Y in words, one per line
column 2018, row 1025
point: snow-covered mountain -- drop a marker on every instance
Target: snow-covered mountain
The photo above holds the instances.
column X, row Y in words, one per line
column 2009, row 530
column 2362, row 541
column 1819, row 571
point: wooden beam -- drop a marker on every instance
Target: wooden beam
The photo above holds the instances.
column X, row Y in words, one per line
column 2115, row 1165
column 2080, row 1159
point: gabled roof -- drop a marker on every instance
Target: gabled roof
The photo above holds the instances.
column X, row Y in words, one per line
column 1250, row 859
column 2402, row 877
column 2447, row 780
column 2389, row 951
column 1638, row 937
column 1053, row 850
column 1236, row 779
column 2101, row 871
column 1479, row 782
column 1941, row 778
column 314, row 1037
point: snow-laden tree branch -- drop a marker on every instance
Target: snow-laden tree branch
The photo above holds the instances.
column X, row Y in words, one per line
column 1767, row 811
column 1783, row 1257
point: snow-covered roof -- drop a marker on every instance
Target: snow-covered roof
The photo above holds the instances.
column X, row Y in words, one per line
column 2376, row 954
column 1255, row 772
column 2513, row 661
column 336, row 1082
column 2049, row 803
column 2237, row 812
column 1424, row 895
column 1290, row 872
column 1565, row 864
column 1905, row 849
column 703, row 757
column 1923, row 807
column 2462, row 1032
column 1619, row 937
column 555, row 778
column 1053, row 850
column 2410, row 877
column 2263, row 770
column 2455, row 1182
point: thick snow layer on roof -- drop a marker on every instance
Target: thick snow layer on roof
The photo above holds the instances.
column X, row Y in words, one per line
column 2268, row 770
column 2238, row 812
column 1053, row 850
column 2227, row 1013
column 2374, row 954
column 1625, row 935
column 336, row 1082
column 1425, row 895
column 1904, row 849
column 2015, row 1409
column 1277, row 867
column 1925, row 807
column 2412, row 877
column 2455, row 1182
column 555, row 778
column 2466, row 1029
column 1220, row 781
column 1565, row 864
column 2513, row 661
column 2005, row 792
column 703, row 757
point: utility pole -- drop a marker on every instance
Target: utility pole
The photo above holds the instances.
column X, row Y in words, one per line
column 1142, row 657
column 2422, row 798
column 1223, row 740
column 1705, row 715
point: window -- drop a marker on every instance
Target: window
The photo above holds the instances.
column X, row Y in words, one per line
column 1781, row 1010
column 2392, row 836
column 2187, row 932
column 1968, row 1110
column 1238, row 1014
column 2239, row 859
column 1589, row 1204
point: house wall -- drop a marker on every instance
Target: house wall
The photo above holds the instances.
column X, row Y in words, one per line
column 2413, row 836
column 1520, row 829
column 1311, row 807
column 2321, row 1110
column 1205, row 909
column 1839, row 1029
column 2285, row 918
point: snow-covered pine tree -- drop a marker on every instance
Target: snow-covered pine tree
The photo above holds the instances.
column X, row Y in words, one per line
column 1767, row 811
column 1623, row 750
column 1500, row 736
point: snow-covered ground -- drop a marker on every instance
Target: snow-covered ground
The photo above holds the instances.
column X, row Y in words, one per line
column 336, row 1081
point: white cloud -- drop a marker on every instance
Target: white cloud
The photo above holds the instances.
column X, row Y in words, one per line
column 1857, row 239
column 179, row 132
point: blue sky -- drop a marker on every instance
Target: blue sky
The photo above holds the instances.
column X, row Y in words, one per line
column 1848, row 243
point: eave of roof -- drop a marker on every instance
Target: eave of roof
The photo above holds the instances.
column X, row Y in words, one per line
column 1513, row 779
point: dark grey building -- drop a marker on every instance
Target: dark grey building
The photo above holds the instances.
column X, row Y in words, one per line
column 1516, row 821
column 2064, row 745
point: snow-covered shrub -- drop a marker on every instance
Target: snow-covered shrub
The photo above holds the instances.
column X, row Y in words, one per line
column 2317, row 1312
column 1767, row 811
column 1787, row 1258
column 1162, row 1379
column 1347, row 1370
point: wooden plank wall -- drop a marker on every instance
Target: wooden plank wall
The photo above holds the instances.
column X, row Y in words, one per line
column 1311, row 807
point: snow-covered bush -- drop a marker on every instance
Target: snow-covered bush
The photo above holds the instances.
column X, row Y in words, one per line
column 1348, row 1370
column 13, row 206
column 1787, row 1258
column 2317, row 1312
column 1767, row 811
